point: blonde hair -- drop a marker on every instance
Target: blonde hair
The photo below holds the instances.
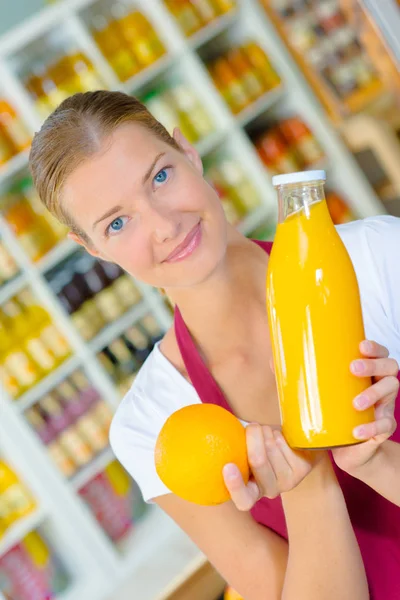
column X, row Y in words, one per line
column 75, row 132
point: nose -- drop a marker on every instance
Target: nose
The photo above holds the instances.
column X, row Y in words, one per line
column 164, row 225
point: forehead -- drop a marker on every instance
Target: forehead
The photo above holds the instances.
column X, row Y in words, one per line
column 113, row 172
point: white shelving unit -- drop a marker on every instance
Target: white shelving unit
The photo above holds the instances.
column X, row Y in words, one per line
column 157, row 554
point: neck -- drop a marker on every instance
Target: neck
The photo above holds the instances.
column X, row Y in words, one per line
column 218, row 310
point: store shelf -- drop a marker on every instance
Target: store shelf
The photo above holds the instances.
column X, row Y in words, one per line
column 13, row 167
column 262, row 104
column 47, row 383
column 254, row 219
column 147, row 75
column 207, row 33
column 19, row 529
column 169, row 553
column 117, row 328
column 96, row 466
column 63, row 250
column 209, row 143
column 8, row 290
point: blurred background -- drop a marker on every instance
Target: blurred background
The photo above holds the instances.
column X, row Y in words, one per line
column 260, row 87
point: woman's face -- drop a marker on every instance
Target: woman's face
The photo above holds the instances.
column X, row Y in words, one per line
column 145, row 206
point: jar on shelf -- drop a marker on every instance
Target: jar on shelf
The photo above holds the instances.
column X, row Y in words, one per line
column 114, row 48
column 300, row 138
column 8, row 265
column 33, row 233
column 229, row 85
column 138, row 33
column 162, row 109
column 205, row 9
column 245, row 71
column 6, row 148
column 191, row 111
column 185, row 14
column 12, row 124
column 261, row 64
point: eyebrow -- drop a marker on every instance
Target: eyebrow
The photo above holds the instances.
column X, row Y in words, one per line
column 150, row 169
column 109, row 213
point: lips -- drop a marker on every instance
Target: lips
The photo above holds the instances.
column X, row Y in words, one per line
column 187, row 247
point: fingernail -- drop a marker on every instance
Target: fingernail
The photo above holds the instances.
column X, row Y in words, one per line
column 361, row 402
column 230, row 471
column 278, row 436
column 357, row 366
column 360, row 433
column 366, row 346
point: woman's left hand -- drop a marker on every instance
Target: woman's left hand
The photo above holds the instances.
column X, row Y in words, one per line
column 382, row 395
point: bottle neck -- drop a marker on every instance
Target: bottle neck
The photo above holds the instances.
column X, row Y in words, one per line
column 297, row 198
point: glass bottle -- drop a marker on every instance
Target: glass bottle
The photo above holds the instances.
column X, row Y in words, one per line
column 316, row 333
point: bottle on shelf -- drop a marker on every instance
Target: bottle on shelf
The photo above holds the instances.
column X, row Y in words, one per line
column 109, row 304
column 191, row 111
column 18, row 371
column 242, row 74
column 68, row 436
column 32, row 231
column 85, row 421
column 27, row 336
column 186, row 16
column 16, row 501
column 115, row 501
column 261, row 64
column 8, row 265
column 299, row 137
column 48, row 437
column 113, row 47
column 237, row 193
column 26, row 188
column 12, row 124
column 32, row 569
column 275, row 153
column 40, row 320
column 121, row 283
column 138, row 32
column 107, row 507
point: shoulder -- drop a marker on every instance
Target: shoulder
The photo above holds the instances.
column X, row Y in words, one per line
column 158, row 391
column 374, row 247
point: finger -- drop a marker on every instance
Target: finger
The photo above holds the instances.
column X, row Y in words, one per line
column 385, row 426
column 300, row 462
column 373, row 349
column 386, row 388
column 280, row 466
column 374, row 367
column 258, row 460
column 243, row 496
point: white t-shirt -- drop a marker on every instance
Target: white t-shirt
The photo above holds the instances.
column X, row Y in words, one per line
column 159, row 389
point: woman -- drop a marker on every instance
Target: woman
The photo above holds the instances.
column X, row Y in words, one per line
column 134, row 195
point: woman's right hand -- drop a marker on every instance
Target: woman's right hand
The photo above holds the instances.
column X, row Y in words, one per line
column 275, row 467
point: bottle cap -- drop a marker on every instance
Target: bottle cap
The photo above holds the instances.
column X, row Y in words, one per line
column 302, row 177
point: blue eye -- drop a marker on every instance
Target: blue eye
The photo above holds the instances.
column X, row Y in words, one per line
column 116, row 226
column 161, row 176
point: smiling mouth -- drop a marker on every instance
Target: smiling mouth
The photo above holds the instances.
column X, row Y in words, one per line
column 187, row 247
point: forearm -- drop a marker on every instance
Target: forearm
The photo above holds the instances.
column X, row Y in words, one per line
column 324, row 561
column 382, row 472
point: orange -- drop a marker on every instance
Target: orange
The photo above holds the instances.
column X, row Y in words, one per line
column 192, row 448
column 230, row 594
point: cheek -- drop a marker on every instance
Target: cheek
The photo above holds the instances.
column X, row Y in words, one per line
column 132, row 253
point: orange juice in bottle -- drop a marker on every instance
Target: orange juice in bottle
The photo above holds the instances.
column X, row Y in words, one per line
column 315, row 319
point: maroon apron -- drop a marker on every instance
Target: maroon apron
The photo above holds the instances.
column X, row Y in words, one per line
column 375, row 520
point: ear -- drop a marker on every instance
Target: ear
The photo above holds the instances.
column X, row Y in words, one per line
column 75, row 237
column 189, row 150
